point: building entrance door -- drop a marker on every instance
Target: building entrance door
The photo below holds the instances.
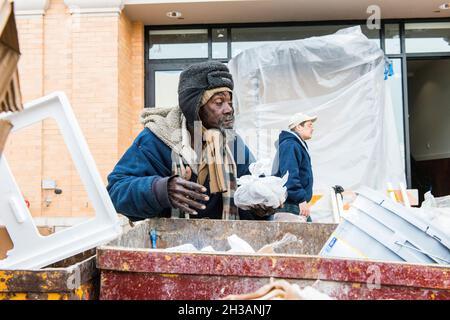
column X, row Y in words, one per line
column 429, row 124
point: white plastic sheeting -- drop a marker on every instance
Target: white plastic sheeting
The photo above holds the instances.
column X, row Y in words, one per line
column 339, row 78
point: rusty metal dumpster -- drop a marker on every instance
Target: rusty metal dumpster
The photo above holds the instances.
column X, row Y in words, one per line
column 75, row 278
column 130, row 269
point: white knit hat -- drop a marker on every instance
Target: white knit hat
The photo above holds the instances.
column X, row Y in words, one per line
column 299, row 118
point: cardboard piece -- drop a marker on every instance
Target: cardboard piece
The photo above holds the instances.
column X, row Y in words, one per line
column 5, row 128
column 10, row 97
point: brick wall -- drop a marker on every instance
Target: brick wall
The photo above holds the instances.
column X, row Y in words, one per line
column 56, row 161
column 95, row 94
column 97, row 60
column 138, row 74
column 125, row 84
column 131, row 80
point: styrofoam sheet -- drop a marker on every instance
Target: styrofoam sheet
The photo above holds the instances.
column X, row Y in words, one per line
column 378, row 228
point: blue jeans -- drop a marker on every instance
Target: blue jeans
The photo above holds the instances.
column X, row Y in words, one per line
column 292, row 208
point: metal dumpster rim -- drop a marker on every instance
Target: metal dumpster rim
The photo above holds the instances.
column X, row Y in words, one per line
column 62, row 280
column 312, row 267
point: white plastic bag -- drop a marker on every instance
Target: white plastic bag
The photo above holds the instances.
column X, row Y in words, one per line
column 187, row 247
column 236, row 244
column 239, row 245
column 288, row 217
column 253, row 189
column 431, row 201
column 436, row 211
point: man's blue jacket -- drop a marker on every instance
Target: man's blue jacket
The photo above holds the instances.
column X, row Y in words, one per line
column 294, row 157
column 148, row 160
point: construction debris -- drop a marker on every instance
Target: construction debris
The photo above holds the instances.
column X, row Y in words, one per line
column 436, row 211
column 238, row 245
column 376, row 227
column 216, row 275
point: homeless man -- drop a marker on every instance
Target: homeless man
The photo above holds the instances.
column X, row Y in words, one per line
column 187, row 158
column 293, row 157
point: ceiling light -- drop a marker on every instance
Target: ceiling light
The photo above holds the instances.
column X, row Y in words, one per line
column 444, row 6
column 174, row 14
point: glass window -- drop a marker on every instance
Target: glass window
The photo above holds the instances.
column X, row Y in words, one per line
column 246, row 38
column 166, row 88
column 372, row 34
column 392, row 39
column 219, row 44
column 427, row 37
column 173, row 44
column 396, row 90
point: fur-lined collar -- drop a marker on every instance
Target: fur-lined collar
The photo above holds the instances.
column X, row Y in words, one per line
column 169, row 125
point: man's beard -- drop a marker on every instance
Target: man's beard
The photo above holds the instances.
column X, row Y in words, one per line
column 224, row 126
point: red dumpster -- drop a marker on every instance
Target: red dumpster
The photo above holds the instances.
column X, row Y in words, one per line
column 75, row 278
column 130, row 269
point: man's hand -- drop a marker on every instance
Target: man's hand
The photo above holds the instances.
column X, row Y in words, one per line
column 304, row 209
column 262, row 210
column 186, row 195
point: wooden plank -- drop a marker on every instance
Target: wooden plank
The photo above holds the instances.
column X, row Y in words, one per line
column 5, row 128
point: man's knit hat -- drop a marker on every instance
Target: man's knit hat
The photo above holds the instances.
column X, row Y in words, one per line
column 198, row 79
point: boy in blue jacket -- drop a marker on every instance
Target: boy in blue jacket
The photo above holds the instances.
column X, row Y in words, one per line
column 187, row 158
column 293, row 157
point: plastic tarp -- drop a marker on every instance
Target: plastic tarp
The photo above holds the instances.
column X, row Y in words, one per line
column 339, row 78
